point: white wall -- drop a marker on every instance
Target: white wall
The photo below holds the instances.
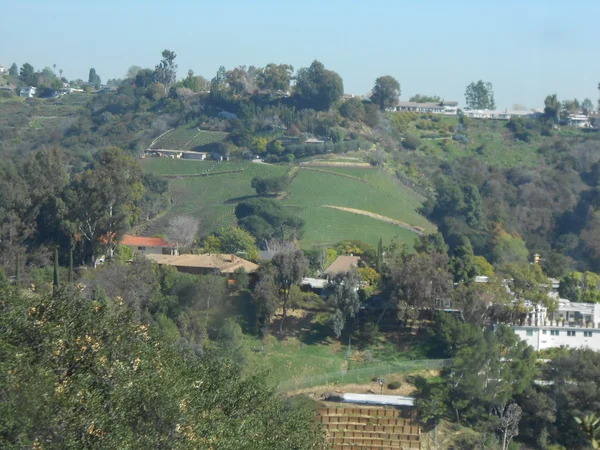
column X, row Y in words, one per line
column 149, row 250
column 541, row 341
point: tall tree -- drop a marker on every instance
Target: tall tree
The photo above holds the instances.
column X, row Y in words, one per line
column 345, row 300
column 480, row 95
column 289, row 269
column 13, row 71
column 317, row 87
column 386, row 92
column 132, row 71
column 275, row 77
column 587, row 105
column 93, row 77
column 552, row 108
column 183, row 230
column 103, row 198
column 462, row 263
column 264, row 297
column 26, row 74
column 55, row 281
column 166, row 70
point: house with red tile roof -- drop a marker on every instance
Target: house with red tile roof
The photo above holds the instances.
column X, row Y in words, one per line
column 149, row 245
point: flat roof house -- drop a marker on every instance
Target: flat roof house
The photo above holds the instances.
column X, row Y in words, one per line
column 149, row 245
column 450, row 108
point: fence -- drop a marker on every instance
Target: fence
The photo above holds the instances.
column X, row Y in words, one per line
column 364, row 374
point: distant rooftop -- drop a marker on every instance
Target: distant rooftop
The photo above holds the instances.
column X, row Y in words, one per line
column 143, row 241
column 225, row 263
column 342, row 264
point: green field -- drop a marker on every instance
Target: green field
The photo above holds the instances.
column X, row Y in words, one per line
column 189, row 138
column 213, row 199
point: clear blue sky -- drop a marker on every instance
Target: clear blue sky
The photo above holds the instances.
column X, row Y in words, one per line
column 526, row 48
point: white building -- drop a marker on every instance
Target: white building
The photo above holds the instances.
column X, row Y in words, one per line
column 573, row 325
column 27, row 92
column 450, row 108
column 579, row 121
column 499, row 114
column 3, row 70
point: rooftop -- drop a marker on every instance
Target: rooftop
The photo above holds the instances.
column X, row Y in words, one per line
column 143, row 241
column 225, row 263
column 342, row 264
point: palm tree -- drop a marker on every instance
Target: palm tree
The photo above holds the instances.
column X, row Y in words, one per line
column 590, row 425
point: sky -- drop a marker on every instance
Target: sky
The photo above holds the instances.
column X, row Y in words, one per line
column 526, row 48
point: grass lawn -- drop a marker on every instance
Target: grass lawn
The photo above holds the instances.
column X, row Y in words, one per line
column 213, row 199
column 189, row 138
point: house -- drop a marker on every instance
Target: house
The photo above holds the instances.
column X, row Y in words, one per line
column 3, row 70
column 208, row 263
column 572, row 325
column 9, row 88
column 149, row 245
column 449, row 108
column 499, row 114
column 177, row 154
column 341, row 265
column 579, row 121
column 27, row 92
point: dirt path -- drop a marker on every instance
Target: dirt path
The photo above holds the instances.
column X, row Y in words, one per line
column 362, row 212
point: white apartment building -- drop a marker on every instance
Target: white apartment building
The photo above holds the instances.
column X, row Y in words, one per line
column 449, row 108
column 572, row 325
column 27, row 92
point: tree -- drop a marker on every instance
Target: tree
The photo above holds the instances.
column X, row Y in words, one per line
column 483, row 267
column 431, row 243
column 166, row 71
column 590, row 425
column 55, row 280
column 480, row 95
column 289, row 268
column 527, row 282
column 317, row 87
column 386, row 92
column 134, row 389
column 508, row 422
column 231, row 343
column 417, row 282
column 462, row 263
column 580, row 287
column 587, row 105
column 269, row 186
column 552, row 108
column 102, row 200
column 183, row 229
column 132, row 71
column 93, row 77
column 345, row 300
column 13, row 71
column 26, row 74
column 275, row 77
column 264, row 297
column 425, row 98
column 237, row 241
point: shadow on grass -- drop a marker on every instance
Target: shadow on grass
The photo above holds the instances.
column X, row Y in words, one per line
column 305, row 329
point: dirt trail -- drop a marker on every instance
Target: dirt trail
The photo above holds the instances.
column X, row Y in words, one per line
column 362, row 212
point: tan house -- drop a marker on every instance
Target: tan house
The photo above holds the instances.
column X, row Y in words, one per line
column 342, row 264
column 208, row 263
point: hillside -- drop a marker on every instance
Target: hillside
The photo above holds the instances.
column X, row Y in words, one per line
column 213, row 198
column 188, row 138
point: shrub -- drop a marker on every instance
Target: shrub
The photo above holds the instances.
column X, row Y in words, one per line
column 462, row 138
column 394, row 385
column 411, row 142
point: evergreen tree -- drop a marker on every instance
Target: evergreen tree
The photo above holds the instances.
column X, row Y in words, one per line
column 55, row 282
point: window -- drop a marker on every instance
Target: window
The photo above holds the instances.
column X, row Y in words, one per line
column 543, row 331
column 554, row 332
column 529, row 332
column 142, row 248
column 570, row 333
column 587, row 334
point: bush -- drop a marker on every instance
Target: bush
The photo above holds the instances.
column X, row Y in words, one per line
column 462, row 138
column 394, row 385
column 411, row 142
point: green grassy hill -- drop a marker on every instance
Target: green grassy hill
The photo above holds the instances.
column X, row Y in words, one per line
column 213, row 199
column 189, row 138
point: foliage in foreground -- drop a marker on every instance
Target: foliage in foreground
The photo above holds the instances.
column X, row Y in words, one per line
column 76, row 373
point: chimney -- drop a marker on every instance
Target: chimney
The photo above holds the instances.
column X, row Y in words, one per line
column 232, row 257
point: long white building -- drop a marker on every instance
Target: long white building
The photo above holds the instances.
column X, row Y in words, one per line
column 572, row 325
